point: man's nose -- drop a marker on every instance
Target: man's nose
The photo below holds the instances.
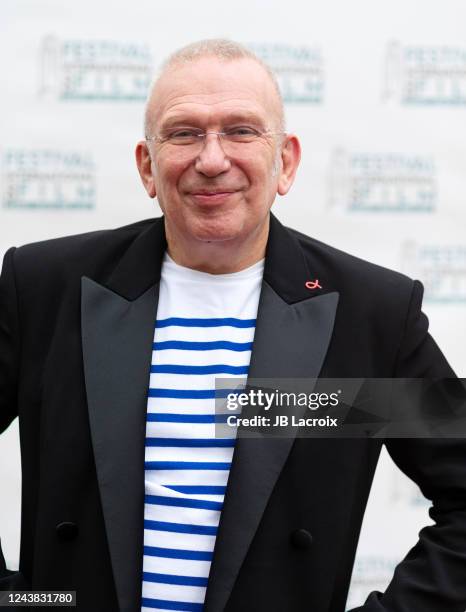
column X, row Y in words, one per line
column 212, row 160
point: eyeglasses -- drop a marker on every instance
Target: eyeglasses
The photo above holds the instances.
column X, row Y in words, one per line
column 232, row 139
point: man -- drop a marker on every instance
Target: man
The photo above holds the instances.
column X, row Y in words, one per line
column 128, row 498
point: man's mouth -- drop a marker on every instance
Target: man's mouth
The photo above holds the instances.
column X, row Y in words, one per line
column 209, row 196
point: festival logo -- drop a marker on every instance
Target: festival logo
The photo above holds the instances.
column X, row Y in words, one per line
column 299, row 70
column 425, row 75
column 441, row 268
column 381, row 182
column 48, row 179
column 94, row 69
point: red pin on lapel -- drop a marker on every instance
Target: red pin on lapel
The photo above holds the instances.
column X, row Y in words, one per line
column 313, row 284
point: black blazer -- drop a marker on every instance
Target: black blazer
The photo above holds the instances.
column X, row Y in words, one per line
column 76, row 327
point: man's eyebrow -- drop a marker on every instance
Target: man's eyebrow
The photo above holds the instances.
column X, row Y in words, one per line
column 227, row 119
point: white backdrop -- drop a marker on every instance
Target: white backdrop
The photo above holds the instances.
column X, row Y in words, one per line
column 377, row 93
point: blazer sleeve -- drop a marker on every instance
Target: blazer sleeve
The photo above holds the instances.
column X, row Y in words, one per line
column 9, row 366
column 432, row 576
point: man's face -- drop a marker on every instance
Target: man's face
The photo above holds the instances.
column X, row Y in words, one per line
column 210, row 192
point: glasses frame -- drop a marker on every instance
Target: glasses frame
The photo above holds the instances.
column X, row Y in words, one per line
column 221, row 136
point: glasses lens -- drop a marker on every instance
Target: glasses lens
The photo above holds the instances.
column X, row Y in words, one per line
column 241, row 135
column 183, row 136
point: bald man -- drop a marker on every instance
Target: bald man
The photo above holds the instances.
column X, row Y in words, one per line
column 110, row 346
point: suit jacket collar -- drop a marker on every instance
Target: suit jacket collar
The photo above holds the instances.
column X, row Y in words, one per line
column 285, row 270
column 140, row 266
column 293, row 331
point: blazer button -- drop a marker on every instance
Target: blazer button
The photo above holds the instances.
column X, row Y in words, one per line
column 67, row 530
column 301, row 538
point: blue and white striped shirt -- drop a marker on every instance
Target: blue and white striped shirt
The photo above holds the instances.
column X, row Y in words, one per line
column 204, row 330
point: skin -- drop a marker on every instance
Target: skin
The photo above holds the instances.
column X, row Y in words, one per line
column 216, row 207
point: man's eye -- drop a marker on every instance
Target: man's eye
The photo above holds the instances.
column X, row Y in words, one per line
column 242, row 130
column 182, row 134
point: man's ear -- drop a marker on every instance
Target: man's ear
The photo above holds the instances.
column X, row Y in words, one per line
column 144, row 164
column 290, row 155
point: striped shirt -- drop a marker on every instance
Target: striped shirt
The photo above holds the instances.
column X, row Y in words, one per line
column 204, row 330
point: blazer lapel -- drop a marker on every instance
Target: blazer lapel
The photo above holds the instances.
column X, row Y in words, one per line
column 117, row 331
column 293, row 331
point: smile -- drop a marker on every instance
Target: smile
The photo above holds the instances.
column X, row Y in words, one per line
column 211, row 197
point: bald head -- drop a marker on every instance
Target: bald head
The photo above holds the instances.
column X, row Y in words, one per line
column 220, row 51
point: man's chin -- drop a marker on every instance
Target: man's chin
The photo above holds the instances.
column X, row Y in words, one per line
column 215, row 231
column 215, row 237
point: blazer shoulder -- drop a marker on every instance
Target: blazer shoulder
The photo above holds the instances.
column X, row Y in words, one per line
column 90, row 254
column 349, row 270
column 88, row 245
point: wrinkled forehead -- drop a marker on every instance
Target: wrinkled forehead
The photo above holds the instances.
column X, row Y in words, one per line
column 213, row 90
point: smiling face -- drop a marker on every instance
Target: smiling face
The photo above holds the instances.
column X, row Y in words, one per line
column 214, row 192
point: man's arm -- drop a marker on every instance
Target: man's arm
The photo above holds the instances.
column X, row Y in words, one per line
column 9, row 365
column 9, row 343
column 432, row 577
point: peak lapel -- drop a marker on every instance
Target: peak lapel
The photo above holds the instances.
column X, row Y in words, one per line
column 117, row 325
column 291, row 339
